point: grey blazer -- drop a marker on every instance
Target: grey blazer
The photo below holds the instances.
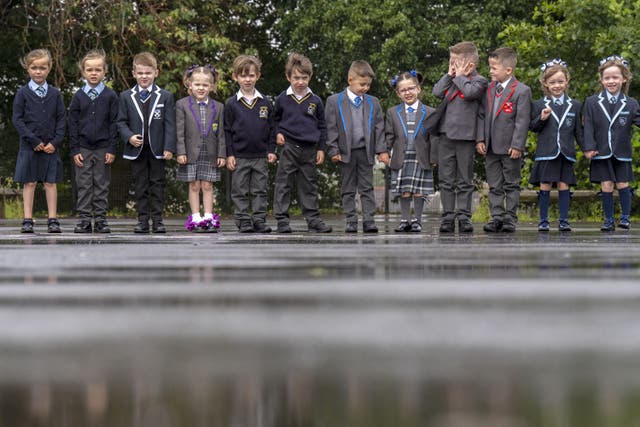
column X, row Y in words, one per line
column 508, row 126
column 396, row 136
column 189, row 132
column 339, row 125
column 464, row 97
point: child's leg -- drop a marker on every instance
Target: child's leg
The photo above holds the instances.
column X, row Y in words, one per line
column 364, row 180
column 495, row 179
column 101, row 181
column 607, row 205
column 544, row 198
column 405, row 206
column 624, row 192
column 194, row 197
column 258, row 187
column 28, row 192
column 51, row 193
column 306, row 181
column 287, row 168
column 240, row 190
column 418, row 206
column 207, row 196
column 564, row 199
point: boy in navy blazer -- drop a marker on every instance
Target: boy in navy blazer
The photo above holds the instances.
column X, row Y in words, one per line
column 355, row 134
column 147, row 125
column 462, row 88
column 505, row 115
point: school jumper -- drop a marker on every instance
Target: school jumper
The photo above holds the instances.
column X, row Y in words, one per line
column 249, row 136
column 93, row 132
column 301, row 121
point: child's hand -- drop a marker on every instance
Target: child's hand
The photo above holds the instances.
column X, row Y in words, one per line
column 545, row 113
column 182, row 159
column 337, row 158
column 78, row 159
column 514, row 153
column 49, row 148
column 231, row 163
column 481, row 148
column 136, row 140
column 589, row 154
column 167, row 155
column 39, row 147
column 452, row 67
column 272, row 158
column 109, row 158
column 319, row 157
column 280, row 139
column 384, row 158
column 464, row 67
column 220, row 163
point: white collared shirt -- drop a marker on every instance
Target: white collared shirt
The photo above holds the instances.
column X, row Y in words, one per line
column 352, row 96
column 504, row 84
column 291, row 92
column 616, row 95
column 414, row 106
column 86, row 88
column 554, row 99
column 33, row 86
column 256, row 94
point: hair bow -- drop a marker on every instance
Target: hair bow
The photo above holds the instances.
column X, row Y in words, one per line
column 394, row 80
column 555, row 61
column 623, row 61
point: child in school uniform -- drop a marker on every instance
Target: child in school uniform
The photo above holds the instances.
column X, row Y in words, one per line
column 412, row 152
column 40, row 118
column 556, row 118
column 250, row 140
column 93, row 140
column 200, row 147
column 608, row 117
column 355, row 135
column 147, row 126
column 505, row 116
column 301, row 131
column 462, row 90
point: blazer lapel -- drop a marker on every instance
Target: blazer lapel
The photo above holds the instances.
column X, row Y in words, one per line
column 345, row 115
column 506, row 98
column 623, row 104
column 602, row 98
column 134, row 101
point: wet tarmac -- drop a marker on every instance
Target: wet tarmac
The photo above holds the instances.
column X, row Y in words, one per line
column 331, row 330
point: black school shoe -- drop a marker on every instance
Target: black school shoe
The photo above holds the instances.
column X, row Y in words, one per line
column 416, row 227
column 27, row 226
column 158, row 227
column 447, row 227
column 261, row 227
column 493, row 226
column 465, row 226
column 319, row 227
column 403, row 227
column 369, row 227
column 351, row 227
column 102, row 227
column 83, row 227
column 142, row 227
column 53, row 226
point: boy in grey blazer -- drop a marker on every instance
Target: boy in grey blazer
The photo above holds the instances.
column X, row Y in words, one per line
column 462, row 88
column 147, row 126
column 505, row 115
column 355, row 134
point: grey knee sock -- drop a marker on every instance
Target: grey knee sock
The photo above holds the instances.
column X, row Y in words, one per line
column 418, row 206
column 405, row 207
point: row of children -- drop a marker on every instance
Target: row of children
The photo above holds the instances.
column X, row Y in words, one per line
column 475, row 116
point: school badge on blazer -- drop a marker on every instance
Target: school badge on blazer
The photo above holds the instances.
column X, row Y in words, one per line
column 569, row 120
column 508, row 107
column 311, row 110
column 157, row 114
column 214, row 127
column 263, row 113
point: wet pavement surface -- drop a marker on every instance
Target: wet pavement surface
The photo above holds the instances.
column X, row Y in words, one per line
column 390, row 329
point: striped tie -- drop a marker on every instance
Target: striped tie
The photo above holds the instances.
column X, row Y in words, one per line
column 93, row 94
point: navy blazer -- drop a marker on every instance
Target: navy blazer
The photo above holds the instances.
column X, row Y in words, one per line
column 610, row 135
column 559, row 133
column 338, row 118
column 161, row 129
column 397, row 136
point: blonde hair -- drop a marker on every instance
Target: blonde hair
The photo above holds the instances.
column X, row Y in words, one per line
column 243, row 64
column 623, row 65
column 360, row 68
column 145, row 59
column 550, row 71
column 34, row 55
column 206, row 70
column 93, row 54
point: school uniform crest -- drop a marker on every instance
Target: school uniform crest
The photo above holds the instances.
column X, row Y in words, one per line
column 569, row 120
column 508, row 107
column 311, row 109
column 263, row 113
column 622, row 120
column 157, row 114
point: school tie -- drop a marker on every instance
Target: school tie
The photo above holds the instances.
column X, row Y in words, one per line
column 40, row 91
column 499, row 89
column 357, row 101
column 144, row 94
column 558, row 103
column 613, row 100
column 93, row 94
column 410, row 110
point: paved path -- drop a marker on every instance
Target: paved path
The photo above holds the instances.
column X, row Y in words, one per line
column 318, row 319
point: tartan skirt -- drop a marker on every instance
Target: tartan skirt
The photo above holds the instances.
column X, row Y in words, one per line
column 411, row 178
column 202, row 170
